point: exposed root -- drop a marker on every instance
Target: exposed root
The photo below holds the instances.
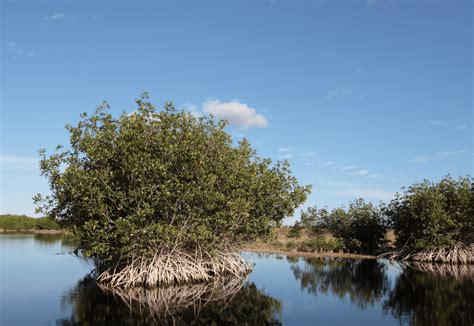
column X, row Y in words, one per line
column 456, row 271
column 169, row 300
column 457, row 254
column 175, row 267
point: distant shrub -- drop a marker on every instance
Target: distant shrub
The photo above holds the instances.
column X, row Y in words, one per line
column 295, row 230
column 23, row 222
column 432, row 215
column 362, row 226
column 322, row 244
column 292, row 245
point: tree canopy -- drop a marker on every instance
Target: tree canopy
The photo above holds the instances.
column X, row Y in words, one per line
column 434, row 214
column 153, row 179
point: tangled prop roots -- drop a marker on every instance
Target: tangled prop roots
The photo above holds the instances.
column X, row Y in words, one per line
column 458, row 254
column 175, row 267
column 456, row 271
column 171, row 300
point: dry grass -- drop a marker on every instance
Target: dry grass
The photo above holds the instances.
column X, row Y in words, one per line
column 175, row 266
column 458, row 254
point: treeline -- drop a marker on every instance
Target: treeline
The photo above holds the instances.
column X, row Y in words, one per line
column 431, row 221
column 23, row 222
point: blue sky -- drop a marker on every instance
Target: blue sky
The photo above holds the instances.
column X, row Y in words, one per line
column 362, row 97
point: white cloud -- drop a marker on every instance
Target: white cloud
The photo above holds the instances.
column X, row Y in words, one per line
column 347, row 168
column 237, row 113
column 437, row 156
column 56, row 16
column 339, row 93
column 361, row 172
column 461, row 127
column 13, row 162
column 328, row 163
column 366, row 193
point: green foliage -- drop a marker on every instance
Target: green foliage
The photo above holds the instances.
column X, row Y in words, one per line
column 295, row 230
column 153, row 179
column 430, row 215
column 321, row 244
column 23, row 222
column 362, row 226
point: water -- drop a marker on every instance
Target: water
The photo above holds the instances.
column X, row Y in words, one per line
column 42, row 283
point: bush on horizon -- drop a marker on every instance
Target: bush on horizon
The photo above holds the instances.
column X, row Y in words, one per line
column 136, row 184
column 23, row 222
column 361, row 226
column 431, row 215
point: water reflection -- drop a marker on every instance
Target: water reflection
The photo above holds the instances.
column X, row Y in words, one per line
column 233, row 303
column 434, row 296
column 363, row 281
column 422, row 294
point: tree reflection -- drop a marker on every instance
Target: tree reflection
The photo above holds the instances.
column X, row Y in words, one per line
column 363, row 281
column 184, row 305
column 436, row 295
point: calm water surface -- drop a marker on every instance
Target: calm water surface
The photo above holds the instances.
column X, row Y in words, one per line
column 43, row 284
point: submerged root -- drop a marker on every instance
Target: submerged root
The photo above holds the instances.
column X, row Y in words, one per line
column 455, row 271
column 171, row 300
column 457, row 254
column 175, row 267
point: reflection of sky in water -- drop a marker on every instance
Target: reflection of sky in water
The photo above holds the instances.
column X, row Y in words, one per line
column 35, row 273
column 38, row 273
column 275, row 276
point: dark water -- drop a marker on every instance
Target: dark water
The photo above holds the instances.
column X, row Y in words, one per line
column 42, row 284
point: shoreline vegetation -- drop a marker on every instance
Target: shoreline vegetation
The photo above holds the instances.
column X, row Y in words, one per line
column 23, row 223
column 162, row 197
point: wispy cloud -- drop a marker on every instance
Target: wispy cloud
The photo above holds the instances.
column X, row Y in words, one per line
column 328, row 163
column 237, row 113
column 461, row 127
column 14, row 162
column 17, row 52
column 305, row 154
column 374, row 176
column 361, row 172
column 340, row 92
column 56, row 16
column 437, row 156
column 347, row 168
column 286, row 149
column 366, row 193
column 285, row 156
column 439, row 123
